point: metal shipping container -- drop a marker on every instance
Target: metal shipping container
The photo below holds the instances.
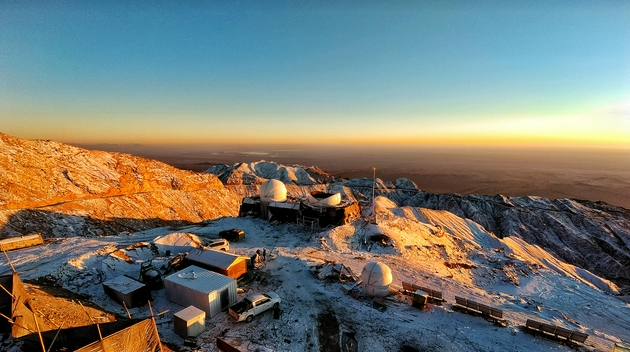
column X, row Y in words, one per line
column 204, row 289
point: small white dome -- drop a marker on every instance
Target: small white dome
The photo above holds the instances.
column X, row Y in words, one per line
column 330, row 201
column 376, row 278
column 273, row 191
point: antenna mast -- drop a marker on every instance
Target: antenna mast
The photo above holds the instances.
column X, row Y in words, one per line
column 373, row 200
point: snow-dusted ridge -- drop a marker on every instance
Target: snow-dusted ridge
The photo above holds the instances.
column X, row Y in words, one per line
column 591, row 235
column 259, row 171
column 61, row 191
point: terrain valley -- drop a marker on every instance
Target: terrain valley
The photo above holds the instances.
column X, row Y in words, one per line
column 544, row 256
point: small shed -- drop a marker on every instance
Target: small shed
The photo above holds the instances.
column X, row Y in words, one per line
column 125, row 289
column 189, row 322
column 204, row 289
column 224, row 263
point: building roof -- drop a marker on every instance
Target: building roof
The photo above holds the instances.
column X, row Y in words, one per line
column 20, row 238
column 124, row 284
column 248, row 200
column 294, row 206
column 219, row 259
column 199, row 279
column 189, row 313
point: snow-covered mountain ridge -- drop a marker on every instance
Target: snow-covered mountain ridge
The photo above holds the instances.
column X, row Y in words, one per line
column 258, row 172
column 591, row 235
column 60, row 190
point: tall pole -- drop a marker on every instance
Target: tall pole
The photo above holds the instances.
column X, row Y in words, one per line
column 373, row 200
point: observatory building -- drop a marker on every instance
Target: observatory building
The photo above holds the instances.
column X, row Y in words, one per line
column 317, row 209
column 273, row 191
column 376, row 278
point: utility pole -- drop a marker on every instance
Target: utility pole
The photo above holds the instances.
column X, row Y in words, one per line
column 374, row 200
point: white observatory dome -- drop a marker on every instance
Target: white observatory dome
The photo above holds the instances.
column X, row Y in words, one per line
column 273, row 191
column 376, row 278
column 330, row 201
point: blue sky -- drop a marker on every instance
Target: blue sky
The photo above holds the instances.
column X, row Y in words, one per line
column 536, row 72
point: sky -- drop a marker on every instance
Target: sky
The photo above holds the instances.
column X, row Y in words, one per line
column 317, row 72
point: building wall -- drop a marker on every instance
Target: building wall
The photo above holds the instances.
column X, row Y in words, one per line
column 186, row 296
column 207, row 266
column 237, row 269
column 208, row 302
column 137, row 298
column 215, row 299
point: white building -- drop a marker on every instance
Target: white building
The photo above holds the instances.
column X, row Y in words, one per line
column 204, row 289
column 189, row 322
column 376, row 278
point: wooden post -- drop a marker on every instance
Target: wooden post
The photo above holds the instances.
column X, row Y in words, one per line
column 46, row 317
column 7, row 291
column 8, row 260
column 39, row 333
column 13, row 322
column 100, row 336
column 57, row 334
column 128, row 314
column 157, row 334
column 14, row 305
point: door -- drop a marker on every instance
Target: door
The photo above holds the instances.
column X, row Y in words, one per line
column 262, row 305
column 225, row 299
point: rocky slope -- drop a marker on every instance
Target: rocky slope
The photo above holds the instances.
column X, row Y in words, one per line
column 591, row 235
column 61, row 190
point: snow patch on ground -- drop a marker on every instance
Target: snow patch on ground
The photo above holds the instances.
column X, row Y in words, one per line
column 426, row 247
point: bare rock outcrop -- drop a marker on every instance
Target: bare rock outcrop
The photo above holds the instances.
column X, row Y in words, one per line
column 592, row 235
column 61, row 190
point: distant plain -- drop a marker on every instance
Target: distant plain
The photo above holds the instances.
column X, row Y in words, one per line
column 578, row 173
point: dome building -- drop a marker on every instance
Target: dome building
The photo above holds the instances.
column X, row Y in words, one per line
column 315, row 210
column 321, row 199
column 376, row 278
column 273, row 191
column 273, row 202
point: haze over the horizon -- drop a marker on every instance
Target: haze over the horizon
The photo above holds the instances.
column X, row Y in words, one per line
column 489, row 72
